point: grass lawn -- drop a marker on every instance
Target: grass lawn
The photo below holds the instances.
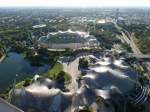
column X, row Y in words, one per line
column 23, row 83
column 67, row 78
column 55, row 70
column 20, row 85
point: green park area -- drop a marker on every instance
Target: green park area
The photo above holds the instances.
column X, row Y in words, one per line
column 24, row 83
column 53, row 73
column 57, row 71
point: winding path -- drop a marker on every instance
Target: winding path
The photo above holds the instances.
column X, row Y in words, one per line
column 72, row 69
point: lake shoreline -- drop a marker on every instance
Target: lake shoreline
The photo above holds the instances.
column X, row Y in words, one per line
column 14, row 63
column 2, row 58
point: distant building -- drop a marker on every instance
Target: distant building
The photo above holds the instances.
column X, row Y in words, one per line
column 68, row 39
column 39, row 26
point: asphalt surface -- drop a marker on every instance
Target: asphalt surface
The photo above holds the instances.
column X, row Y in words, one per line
column 7, row 107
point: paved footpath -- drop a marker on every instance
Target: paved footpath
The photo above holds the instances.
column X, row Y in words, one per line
column 7, row 107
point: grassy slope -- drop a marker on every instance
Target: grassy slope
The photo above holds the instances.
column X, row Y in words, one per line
column 55, row 70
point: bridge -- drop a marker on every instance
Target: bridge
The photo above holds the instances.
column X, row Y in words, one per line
column 140, row 56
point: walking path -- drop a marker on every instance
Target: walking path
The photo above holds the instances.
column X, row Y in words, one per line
column 72, row 69
column 7, row 107
column 2, row 58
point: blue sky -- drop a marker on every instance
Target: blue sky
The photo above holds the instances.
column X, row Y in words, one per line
column 75, row 3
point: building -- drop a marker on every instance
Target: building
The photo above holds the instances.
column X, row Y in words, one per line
column 68, row 39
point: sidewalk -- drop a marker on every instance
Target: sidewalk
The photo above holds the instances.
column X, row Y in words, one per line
column 7, row 107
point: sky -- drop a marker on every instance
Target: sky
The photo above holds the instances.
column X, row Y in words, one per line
column 74, row 3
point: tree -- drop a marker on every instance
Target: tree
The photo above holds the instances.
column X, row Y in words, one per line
column 83, row 63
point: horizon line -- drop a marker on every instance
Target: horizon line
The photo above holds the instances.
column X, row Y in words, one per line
column 74, row 6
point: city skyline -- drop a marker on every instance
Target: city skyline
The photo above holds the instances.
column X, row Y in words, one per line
column 75, row 3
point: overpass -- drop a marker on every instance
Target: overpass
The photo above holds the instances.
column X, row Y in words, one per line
column 140, row 56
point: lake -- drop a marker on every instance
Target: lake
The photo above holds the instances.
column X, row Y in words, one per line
column 16, row 64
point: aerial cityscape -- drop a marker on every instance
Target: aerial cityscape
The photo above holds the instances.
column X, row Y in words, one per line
column 74, row 59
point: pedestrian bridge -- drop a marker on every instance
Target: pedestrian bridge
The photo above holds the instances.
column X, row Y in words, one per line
column 139, row 56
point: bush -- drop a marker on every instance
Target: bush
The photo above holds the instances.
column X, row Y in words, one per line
column 65, row 76
column 83, row 63
column 56, row 73
column 24, row 83
column 55, row 70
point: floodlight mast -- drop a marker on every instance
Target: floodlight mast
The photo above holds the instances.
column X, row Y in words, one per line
column 14, row 87
column 117, row 15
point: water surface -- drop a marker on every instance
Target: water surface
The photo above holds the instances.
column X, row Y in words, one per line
column 16, row 64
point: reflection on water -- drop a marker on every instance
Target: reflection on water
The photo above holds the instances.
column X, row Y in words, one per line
column 16, row 64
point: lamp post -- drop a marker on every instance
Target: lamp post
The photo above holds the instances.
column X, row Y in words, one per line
column 15, row 80
column 14, row 85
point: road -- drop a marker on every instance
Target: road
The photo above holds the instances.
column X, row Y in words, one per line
column 129, row 39
column 133, row 44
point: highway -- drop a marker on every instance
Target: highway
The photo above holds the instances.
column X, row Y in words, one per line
column 129, row 39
